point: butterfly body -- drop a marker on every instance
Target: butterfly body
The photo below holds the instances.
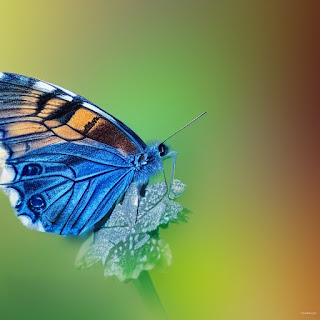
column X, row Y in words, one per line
column 67, row 162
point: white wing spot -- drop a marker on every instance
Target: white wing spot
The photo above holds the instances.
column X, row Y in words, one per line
column 2, row 75
column 65, row 97
column 67, row 91
column 43, row 86
column 8, row 174
column 14, row 196
column 3, row 156
column 98, row 110
column 27, row 222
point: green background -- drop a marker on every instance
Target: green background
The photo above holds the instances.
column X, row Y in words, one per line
column 250, row 250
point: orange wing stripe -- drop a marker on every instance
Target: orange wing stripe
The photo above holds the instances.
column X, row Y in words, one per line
column 53, row 123
column 82, row 119
column 23, row 128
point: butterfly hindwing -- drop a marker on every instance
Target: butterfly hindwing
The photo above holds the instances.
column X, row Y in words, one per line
column 67, row 188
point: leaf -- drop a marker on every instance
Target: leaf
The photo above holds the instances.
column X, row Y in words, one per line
column 126, row 263
column 129, row 241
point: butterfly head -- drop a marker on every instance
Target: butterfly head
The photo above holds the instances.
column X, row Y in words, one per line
column 149, row 162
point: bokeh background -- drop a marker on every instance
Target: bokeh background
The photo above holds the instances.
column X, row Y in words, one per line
column 251, row 248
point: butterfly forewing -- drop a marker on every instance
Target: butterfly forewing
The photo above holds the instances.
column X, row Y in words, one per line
column 34, row 113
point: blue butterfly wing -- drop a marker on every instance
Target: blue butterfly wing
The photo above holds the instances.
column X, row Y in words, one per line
column 68, row 188
column 66, row 159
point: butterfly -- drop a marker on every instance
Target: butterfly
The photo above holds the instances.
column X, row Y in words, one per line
column 66, row 162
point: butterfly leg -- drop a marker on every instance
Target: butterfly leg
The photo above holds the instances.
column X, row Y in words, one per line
column 173, row 155
column 141, row 191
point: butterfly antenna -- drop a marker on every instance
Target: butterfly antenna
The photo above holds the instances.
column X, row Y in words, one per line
column 188, row 124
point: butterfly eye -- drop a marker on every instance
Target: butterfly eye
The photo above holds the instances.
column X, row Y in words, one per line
column 163, row 149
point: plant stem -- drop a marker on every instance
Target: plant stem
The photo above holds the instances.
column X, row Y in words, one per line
column 149, row 294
